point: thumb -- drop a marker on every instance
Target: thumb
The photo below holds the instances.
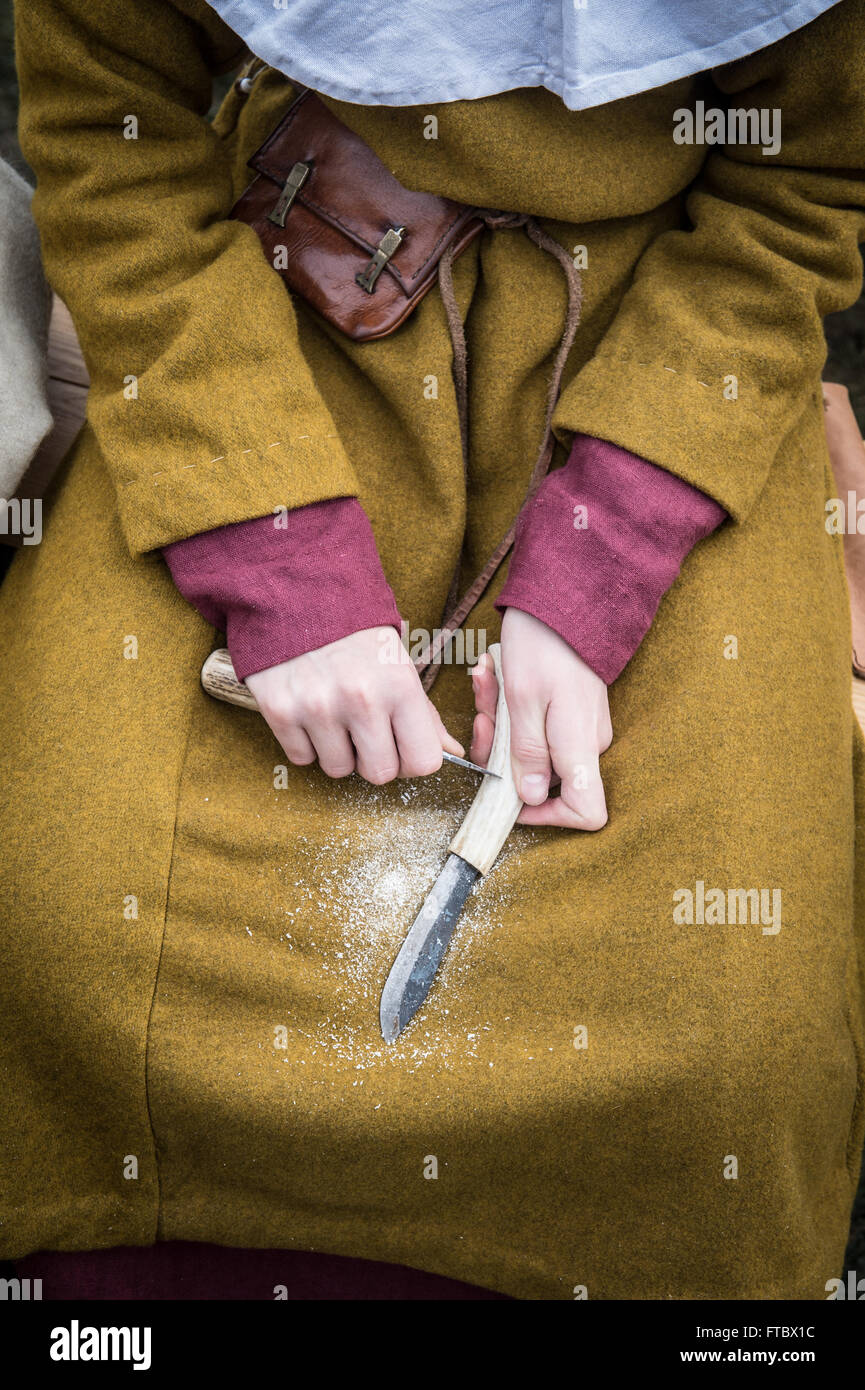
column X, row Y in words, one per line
column 530, row 754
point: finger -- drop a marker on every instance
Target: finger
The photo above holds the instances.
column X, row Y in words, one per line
column 333, row 747
column 530, row 754
column 295, row 743
column 486, row 692
column 418, row 737
column 377, row 756
column 290, row 733
column 574, row 750
column 581, row 804
column 583, row 795
column 485, row 686
column 483, row 733
column 282, row 719
column 556, row 810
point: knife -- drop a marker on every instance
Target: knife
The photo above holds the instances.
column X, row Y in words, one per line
column 471, row 853
column 220, row 680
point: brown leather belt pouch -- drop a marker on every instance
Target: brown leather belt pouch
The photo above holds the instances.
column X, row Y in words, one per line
column 340, row 229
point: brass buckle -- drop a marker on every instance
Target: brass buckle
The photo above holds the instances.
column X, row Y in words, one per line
column 290, row 189
column 389, row 243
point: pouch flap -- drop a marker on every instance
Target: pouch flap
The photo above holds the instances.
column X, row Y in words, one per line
column 349, row 187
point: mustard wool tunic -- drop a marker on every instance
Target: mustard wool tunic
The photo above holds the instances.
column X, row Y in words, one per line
column 618, row 1102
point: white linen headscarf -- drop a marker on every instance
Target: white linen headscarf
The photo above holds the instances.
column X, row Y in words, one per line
column 409, row 52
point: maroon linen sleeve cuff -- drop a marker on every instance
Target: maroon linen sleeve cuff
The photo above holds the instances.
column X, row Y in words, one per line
column 282, row 585
column 599, row 545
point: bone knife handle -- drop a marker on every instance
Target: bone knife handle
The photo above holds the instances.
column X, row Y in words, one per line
column 219, row 680
column 492, row 814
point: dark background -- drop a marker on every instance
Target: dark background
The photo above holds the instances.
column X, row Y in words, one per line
column 846, row 363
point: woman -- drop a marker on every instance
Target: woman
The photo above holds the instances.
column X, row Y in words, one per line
column 640, row 1074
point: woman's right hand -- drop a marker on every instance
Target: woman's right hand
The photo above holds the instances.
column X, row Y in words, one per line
column 357, row 705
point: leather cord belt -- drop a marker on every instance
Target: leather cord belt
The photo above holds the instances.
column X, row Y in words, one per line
column 458, row 609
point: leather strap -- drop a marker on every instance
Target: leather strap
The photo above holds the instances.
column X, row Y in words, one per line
column 457, row 610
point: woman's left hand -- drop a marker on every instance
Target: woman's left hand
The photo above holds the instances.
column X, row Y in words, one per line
column 560, row 723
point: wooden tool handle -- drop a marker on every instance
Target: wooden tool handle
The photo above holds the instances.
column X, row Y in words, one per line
column 219, row 680
column 495, row 808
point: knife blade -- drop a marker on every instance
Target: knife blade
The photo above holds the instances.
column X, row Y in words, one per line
column 473, row 767
column 472, row 852
column 414, row 969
